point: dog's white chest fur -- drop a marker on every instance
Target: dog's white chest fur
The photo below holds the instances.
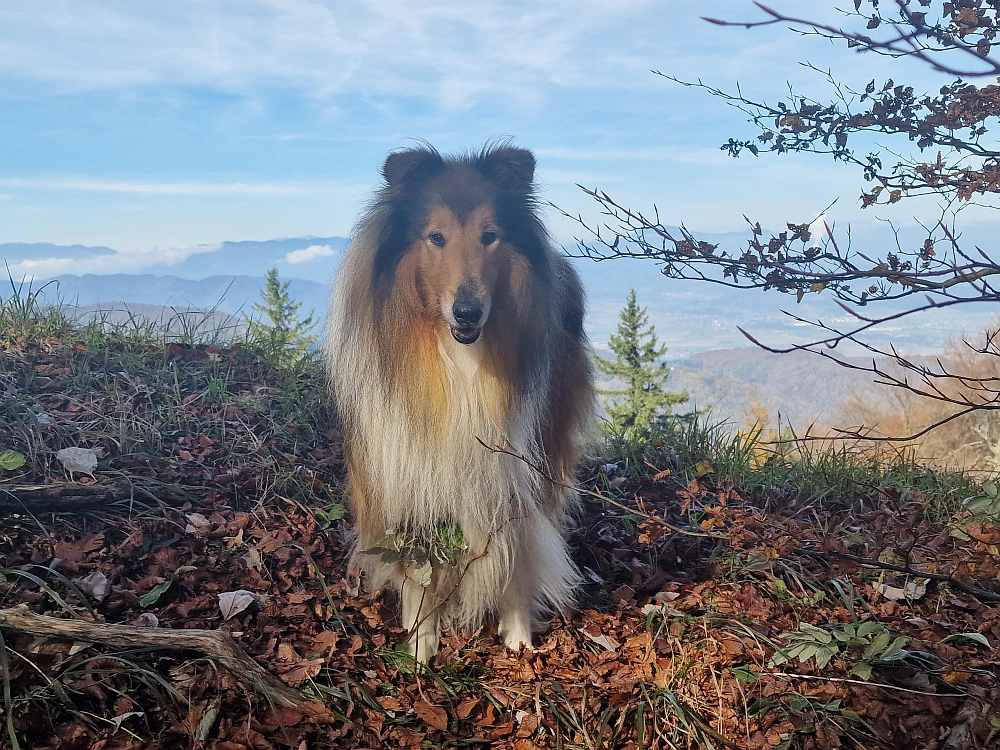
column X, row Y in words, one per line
column 432, row 473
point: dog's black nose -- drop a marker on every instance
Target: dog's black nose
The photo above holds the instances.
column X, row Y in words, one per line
column 467, row 311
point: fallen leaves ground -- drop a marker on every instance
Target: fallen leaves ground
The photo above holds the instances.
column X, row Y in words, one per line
column 670, row 645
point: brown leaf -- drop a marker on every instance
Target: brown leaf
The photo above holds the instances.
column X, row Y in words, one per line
column 488, row 717
column 390, row 703
column 528, row 725
column 435, row 716
column 326, row 641
column 501, row 730
column 76, row 551
column 292, row 668
column 305, row 671
column 953, row 677
column 465, row 707
column 286, row 716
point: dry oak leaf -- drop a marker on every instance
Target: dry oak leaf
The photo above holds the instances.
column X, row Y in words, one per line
column 77, row 551
column 435, row 716
column 293, row 669
column 955, row 677
column 390, row 703
column 325, row 641
column 465, row 707
column 284, row 716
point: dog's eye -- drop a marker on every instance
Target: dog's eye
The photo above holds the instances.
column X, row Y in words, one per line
column 437, row 238
column 488, row 238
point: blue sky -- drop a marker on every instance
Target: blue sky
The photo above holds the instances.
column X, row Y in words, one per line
column 155, row 127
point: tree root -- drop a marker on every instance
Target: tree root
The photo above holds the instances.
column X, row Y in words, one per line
column 213, row 643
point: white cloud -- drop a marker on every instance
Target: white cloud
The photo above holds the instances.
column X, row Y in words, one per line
column 310, row 253
column 41, row 268
column 115, row 262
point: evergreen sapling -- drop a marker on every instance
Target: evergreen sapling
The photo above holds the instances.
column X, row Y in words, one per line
column 280, row 334
column 633, row 409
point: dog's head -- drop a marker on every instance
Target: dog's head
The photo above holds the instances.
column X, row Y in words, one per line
column 455, row 225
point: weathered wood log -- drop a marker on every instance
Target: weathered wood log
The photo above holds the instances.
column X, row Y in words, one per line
column 213, row 643
column 67, row 497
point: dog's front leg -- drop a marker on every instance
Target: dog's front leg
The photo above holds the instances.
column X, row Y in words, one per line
column 516, row 607
column 420, row 618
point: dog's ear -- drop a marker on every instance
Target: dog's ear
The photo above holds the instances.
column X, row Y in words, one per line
column 404, row 166
column 512, row 168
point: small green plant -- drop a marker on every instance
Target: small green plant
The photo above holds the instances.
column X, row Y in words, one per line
column 633, row 409
column 11, row 460
column 807, row 715
column 326, row 517
column 279, row 334
column 25, row 317
column 419, row 550
column 823, row 644
column 983, row 508
column 152, row 596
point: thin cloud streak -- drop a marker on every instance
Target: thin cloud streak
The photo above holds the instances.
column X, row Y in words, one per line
column 169, row 188
column 454, row 53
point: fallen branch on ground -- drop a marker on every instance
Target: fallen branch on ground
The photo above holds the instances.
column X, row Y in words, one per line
column 68, row 497
column 213, row 643
column 981, row 594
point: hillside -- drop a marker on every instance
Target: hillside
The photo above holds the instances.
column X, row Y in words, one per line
column 202, row 493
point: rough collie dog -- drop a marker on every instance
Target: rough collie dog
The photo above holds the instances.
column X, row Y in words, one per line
column 463, row 381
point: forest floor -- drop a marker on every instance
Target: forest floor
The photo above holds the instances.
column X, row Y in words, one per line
column 737, row 595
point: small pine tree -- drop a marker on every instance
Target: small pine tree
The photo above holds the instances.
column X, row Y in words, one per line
column 633, row 409
column 280, row 334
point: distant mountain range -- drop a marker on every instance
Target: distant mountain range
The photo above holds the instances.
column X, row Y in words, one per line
column 311, row 258
column 230, row 294
column 798, row 388
column 689, row 316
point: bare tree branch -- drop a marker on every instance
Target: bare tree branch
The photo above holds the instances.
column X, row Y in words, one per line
column 956, row 122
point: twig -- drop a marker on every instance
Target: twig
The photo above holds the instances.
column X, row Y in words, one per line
column 214, row 643
column 981, row 594
column 904, row 44
column 865, row 684
column 599, row 496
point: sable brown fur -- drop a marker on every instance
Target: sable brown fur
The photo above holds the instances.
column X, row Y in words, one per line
column 455, row 324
